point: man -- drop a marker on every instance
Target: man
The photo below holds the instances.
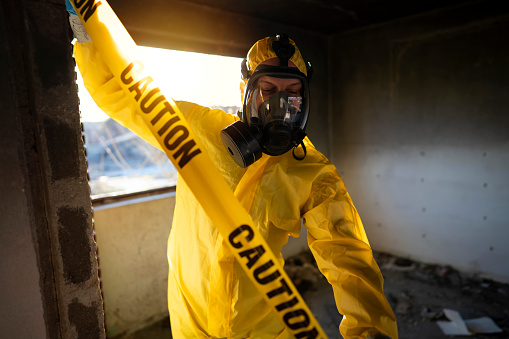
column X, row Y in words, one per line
column 280, row 179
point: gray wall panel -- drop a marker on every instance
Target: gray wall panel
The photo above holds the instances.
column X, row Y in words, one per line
column 421, row 135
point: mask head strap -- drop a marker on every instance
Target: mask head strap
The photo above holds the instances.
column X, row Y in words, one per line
column 284, row 49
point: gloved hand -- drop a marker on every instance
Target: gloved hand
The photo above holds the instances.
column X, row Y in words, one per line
column 80, row 33
column 379, row 336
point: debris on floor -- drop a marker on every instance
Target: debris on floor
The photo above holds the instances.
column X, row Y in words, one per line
column 419, row 294
column 425, row 296
column 303, row 271
column 455, row 325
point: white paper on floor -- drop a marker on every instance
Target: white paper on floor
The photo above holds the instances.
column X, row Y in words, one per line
column 457, row 326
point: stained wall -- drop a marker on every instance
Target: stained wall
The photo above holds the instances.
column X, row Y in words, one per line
column 420, row 133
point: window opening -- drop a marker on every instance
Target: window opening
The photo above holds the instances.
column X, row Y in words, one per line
column 119, row 162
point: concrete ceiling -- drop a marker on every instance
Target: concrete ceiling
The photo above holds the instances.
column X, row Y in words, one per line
column 327, row 16
column 228, row 27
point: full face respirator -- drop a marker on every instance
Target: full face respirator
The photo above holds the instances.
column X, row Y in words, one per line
column 275, row 110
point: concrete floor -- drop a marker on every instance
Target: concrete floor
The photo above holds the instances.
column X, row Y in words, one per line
column 417, row 292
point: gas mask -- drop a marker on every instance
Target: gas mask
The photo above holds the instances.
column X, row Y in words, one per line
column 274, row 116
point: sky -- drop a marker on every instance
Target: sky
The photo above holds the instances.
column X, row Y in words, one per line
column 208, row 80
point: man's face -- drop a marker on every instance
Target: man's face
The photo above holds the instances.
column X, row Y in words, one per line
column 268, row 86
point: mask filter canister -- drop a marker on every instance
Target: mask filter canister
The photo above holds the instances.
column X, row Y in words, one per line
column 242, row 143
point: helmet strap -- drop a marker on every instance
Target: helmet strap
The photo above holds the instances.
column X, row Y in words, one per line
column 284, row 49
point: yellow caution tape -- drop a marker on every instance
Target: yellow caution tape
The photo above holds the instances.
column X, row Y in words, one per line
column 174, row 134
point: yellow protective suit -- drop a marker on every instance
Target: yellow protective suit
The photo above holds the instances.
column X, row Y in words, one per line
column 209, row 295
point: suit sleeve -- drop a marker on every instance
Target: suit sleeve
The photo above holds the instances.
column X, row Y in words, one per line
column 340, row 246
column 107, row 92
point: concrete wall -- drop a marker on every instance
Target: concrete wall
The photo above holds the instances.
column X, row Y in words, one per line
column 132, row 238
column 49, row 286
column 420, row 134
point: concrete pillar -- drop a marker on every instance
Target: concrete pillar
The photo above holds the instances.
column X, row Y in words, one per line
column 49, row 284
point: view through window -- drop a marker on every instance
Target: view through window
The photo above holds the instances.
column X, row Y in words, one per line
column 119, row 162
